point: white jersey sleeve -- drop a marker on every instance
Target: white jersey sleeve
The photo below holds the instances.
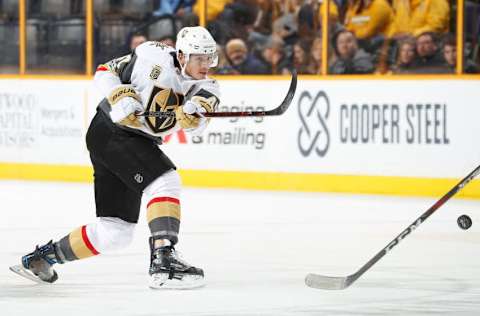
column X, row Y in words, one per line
column 108, row 76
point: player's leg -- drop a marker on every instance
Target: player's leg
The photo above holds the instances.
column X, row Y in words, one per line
column 143, row 167
column 167, row 269
column 117, row 212
column 147, row 168
column 117, row 207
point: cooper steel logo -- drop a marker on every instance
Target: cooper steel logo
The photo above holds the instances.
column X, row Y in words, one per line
column 313, row 113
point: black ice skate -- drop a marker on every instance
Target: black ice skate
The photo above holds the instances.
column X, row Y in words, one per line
column 168, row 271
column 37, row 265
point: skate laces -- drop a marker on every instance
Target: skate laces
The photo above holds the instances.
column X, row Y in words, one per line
column 179, row 257
column 172, row 253
column 43, row 253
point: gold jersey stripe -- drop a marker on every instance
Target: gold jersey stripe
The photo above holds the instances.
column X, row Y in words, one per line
column 78, row 244
column 163, row 209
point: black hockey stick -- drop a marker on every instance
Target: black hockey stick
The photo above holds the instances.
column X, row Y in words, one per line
column 339, row 283
column 279, row 110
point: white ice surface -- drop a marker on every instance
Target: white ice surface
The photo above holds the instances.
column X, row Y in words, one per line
column 256, row 248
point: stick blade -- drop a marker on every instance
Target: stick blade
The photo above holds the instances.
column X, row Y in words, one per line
column 326, row 282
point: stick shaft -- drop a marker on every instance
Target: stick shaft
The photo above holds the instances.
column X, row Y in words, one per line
column 325, row 282
column 279, row 110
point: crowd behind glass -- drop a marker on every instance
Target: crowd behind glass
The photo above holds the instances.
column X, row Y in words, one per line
column 253, row 36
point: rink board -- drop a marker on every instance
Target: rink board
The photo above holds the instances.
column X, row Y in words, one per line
column 374, row 136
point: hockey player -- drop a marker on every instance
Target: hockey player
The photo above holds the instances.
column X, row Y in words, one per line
column 128, row 163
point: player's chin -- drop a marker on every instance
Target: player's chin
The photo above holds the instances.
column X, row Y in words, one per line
column 201, row 75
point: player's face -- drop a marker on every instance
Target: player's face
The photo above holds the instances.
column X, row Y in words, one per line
column 199, row 64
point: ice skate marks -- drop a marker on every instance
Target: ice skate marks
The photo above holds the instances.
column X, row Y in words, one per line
column 20, row 270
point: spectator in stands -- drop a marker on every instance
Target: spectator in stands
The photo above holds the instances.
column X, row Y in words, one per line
column 428, row 55
column 310, row 18
column 415, row 17
column 241, row 61
column 168, row 40
column 223, row 67
column 286, row 28
column 301, row 51
column 268, row 12
column 215, row 7
column 315, row 61
column 274, row 57
column 136, row 39
column 235, row 21
column 368, row 18
column 349, row 58
column 333, row 12
column 405, row 57
column 181, row 10
column 173, row 7
column 450, row 56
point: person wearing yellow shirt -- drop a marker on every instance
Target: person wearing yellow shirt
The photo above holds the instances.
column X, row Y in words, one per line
column 332, row 11
column 214, row 8
column 368, row 18
column 415, row 17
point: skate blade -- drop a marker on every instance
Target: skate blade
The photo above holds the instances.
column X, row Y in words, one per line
column 161, row 281
column 20, row 270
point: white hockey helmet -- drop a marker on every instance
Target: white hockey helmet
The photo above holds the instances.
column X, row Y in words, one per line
column 197, row 40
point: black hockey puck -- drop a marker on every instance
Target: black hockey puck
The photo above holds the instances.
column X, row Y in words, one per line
column 464, row 222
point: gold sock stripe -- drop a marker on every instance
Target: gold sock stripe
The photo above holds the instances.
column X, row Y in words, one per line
column 81, row 246
column 163, row 209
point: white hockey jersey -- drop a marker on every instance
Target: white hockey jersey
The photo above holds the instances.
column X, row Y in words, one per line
column 155, row 74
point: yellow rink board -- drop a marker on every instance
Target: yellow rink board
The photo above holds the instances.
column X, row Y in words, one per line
column 407, row 186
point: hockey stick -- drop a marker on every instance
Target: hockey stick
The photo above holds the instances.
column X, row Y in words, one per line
column 279, row 110
column 339, row 283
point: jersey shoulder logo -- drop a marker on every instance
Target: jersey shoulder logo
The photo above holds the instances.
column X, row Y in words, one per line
column 155, row 73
